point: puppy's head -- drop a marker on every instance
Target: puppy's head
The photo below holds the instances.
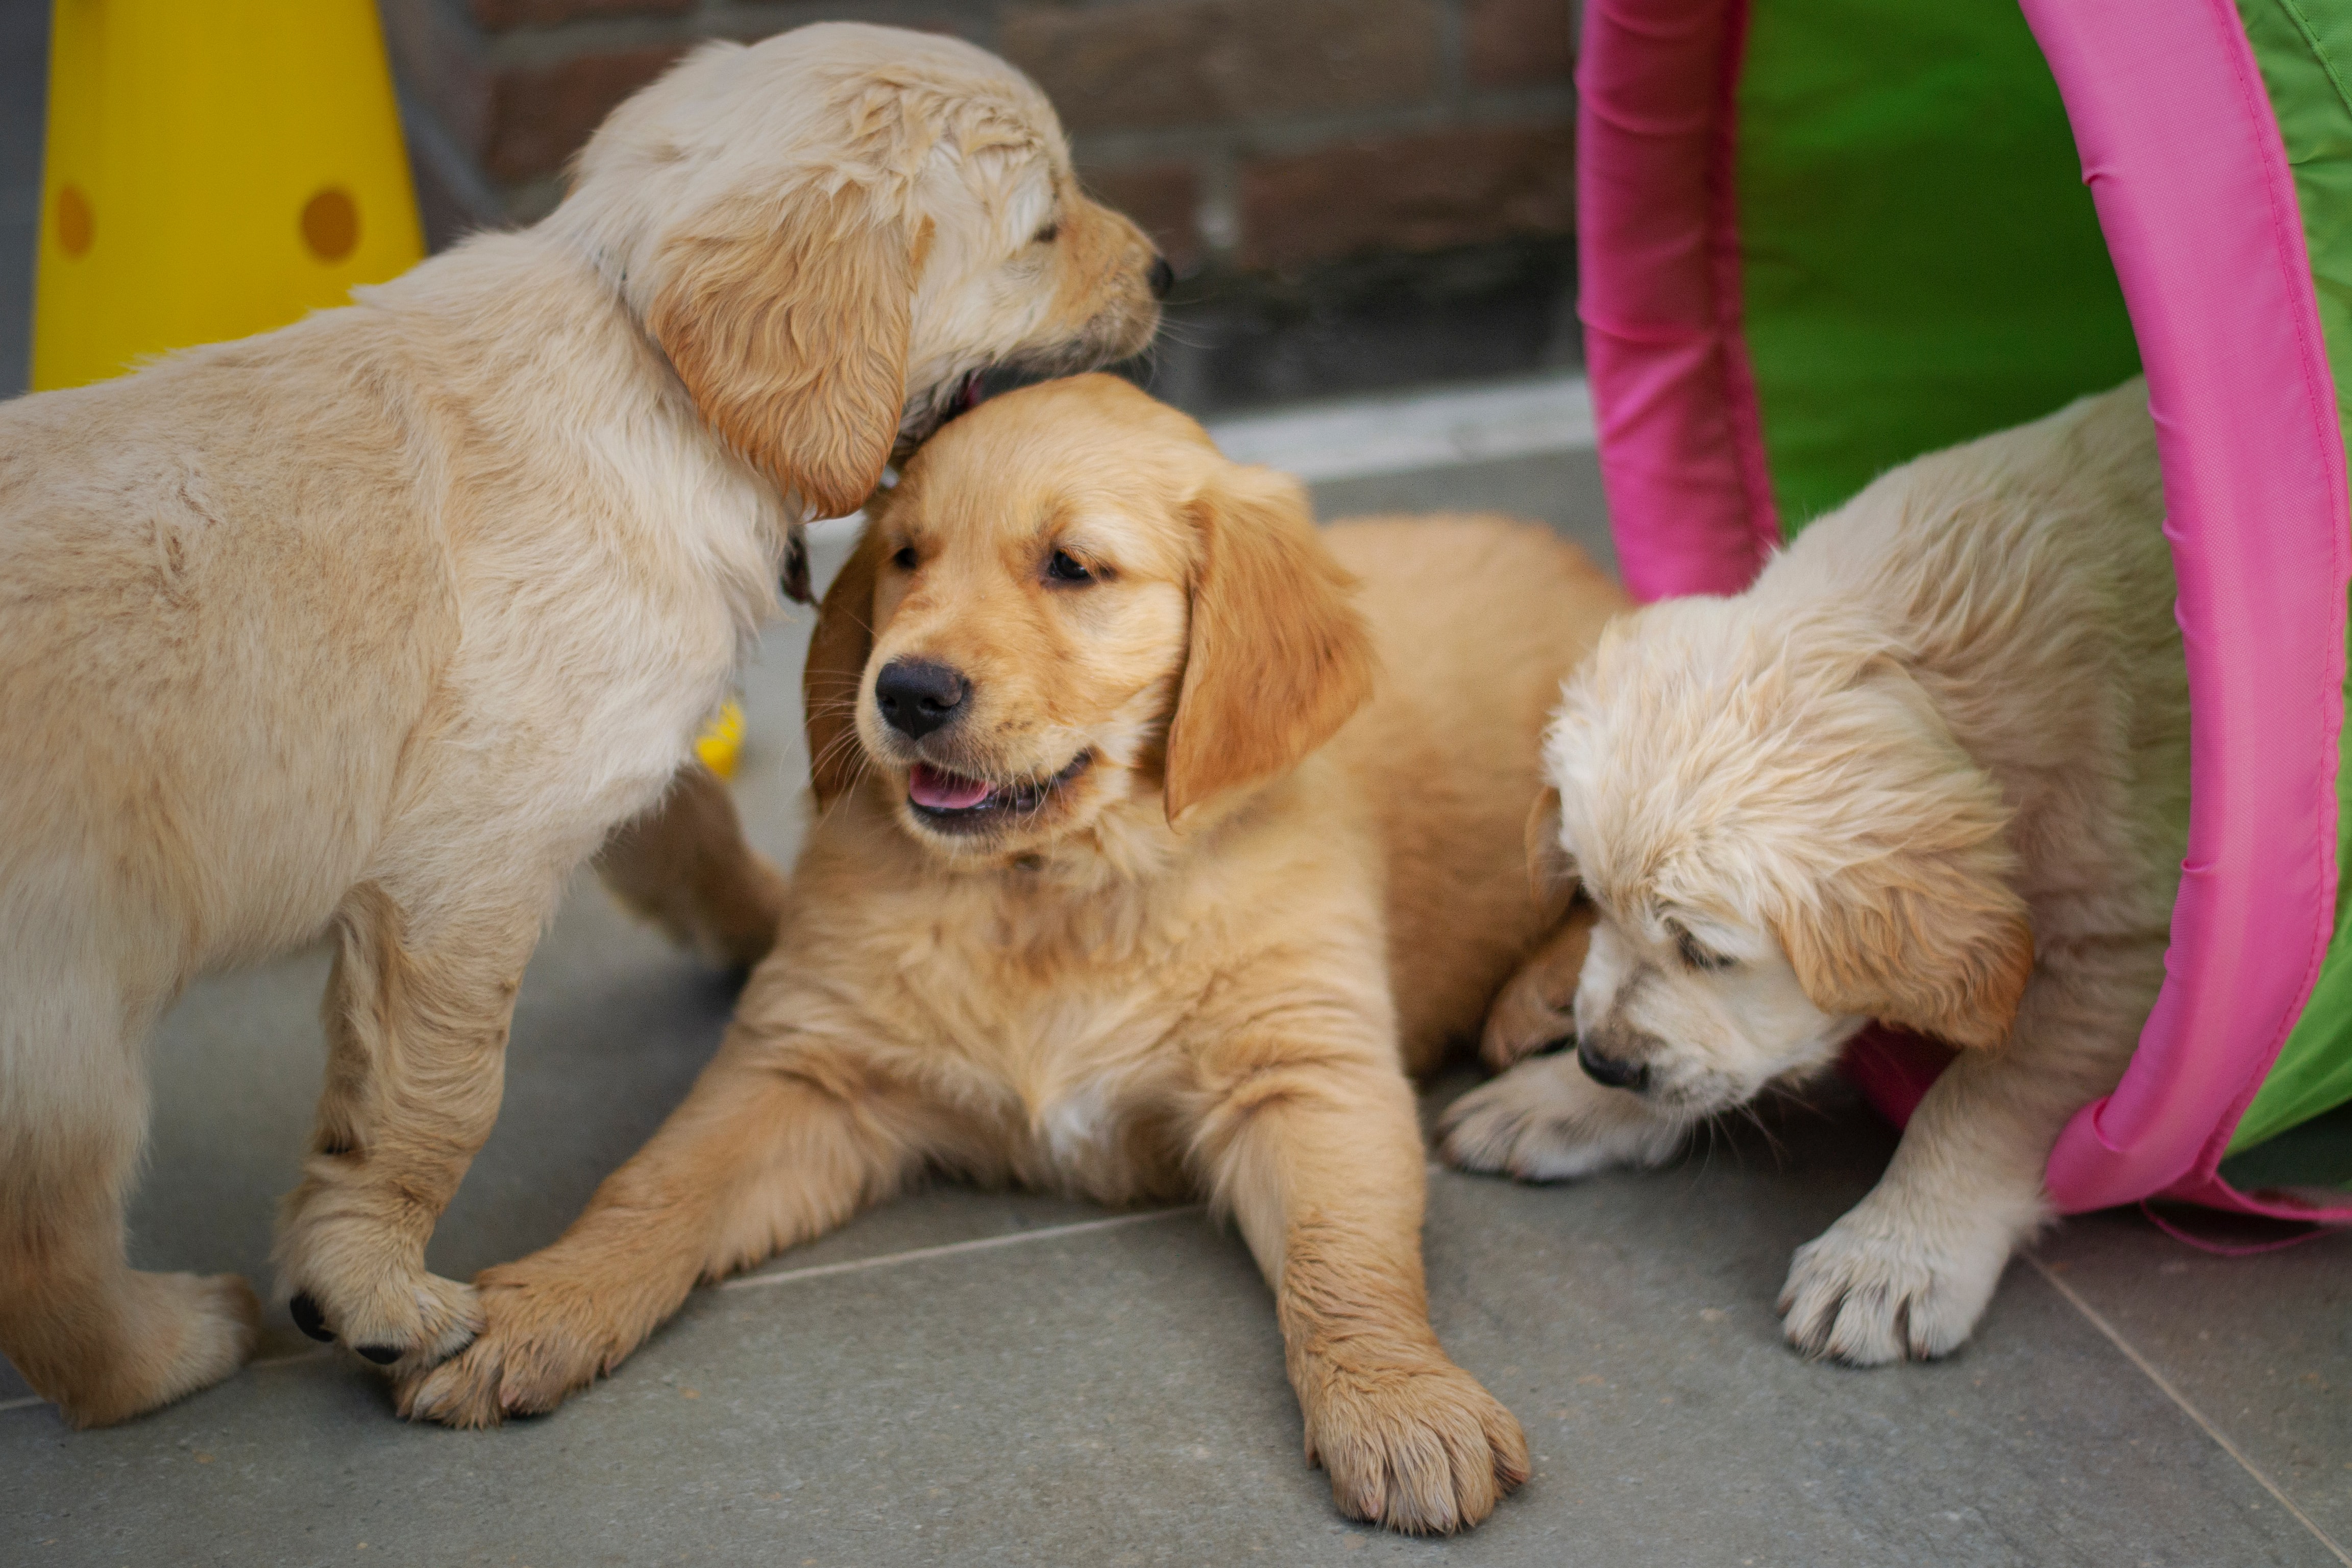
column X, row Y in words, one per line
column 1072, row 608
column 834, row 233
column 1784, row 841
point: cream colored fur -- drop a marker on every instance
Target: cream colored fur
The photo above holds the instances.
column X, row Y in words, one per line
column 378, row 625
column 1932, row 769
column 1080, row 996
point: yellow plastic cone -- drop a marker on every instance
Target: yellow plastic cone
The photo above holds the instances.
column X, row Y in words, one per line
column 213, row 170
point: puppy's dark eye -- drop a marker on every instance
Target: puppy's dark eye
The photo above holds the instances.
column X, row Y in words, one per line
column 906, row 560
column 1064, row 567
column 1049, row 234
column 1695, row 956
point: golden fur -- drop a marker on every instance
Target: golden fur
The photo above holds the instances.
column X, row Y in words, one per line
column 1931, row 769
column 1199, row 965
column 378, row 625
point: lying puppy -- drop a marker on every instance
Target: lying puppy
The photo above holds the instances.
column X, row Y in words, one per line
column 1932, row 769
column 380, row 623
column 1111, row 895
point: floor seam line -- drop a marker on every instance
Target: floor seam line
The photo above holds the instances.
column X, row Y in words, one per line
column 2147, row 1368
column 952, row 1248
column 821, row 1271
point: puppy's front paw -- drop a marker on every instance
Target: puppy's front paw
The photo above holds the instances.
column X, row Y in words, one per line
column 542, row 1339
column 1546, row 1120
column 1423, row 1450
column 1524, row 1023
column 1869, row 1290
column 393, row 1317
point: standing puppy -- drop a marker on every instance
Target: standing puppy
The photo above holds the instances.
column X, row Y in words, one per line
column 380, row 623
column 1932, row 769
column 1110, row 894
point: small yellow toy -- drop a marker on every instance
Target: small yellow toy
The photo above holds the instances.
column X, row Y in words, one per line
column 212, row 171
column 721, row 745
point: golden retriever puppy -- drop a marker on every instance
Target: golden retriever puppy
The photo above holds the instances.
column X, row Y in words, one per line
column 380, row 623
column 1932, row 769
column 1122, row 887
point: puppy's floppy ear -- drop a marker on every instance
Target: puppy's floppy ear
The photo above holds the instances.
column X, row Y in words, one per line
column 788, row 320
column 1922, row 927
column 836, row 671
column 1278, row 658
column 1930, row 943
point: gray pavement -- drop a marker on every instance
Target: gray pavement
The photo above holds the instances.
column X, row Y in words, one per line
column 969, row 1377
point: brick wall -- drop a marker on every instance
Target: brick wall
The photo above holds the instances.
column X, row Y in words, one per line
column 1255, row 138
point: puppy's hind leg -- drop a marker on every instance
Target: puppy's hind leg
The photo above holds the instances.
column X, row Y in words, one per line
column 102, row 1340
column 686, row 867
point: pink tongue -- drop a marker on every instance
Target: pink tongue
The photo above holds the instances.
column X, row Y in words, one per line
column 928, row 787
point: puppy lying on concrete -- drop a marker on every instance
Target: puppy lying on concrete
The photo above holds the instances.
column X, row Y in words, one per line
column 1931, row 769
column 379, row 625
column 1116, row 892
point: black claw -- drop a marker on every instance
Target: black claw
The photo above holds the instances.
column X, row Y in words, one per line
column 309, row 1319
column 383, row 1355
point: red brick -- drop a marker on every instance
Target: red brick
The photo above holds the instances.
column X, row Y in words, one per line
column 1195, row 62
column 537, row 116
column 1413, row 194
column 497, row 15
column 1519, row 43
column 1164, row 199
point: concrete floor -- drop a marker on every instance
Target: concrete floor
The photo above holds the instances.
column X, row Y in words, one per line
column 983, row 1378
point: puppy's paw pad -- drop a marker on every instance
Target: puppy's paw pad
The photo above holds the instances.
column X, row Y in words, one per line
column 1867, row 1297
column 1425, row 1451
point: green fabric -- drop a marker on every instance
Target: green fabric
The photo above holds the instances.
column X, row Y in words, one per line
column 1920, row 264
column 1920, row 261
column 2302, row 48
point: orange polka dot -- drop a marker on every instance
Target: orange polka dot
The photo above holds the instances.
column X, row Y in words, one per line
column 76, row 222
column 331, row 223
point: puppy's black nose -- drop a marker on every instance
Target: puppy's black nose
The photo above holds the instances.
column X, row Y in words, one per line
column 1614, row 1071
column 917, row 696
column 1163, row 277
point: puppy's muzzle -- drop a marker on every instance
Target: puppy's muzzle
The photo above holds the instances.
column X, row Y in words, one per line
column 917, row 696
column 1614, row 1058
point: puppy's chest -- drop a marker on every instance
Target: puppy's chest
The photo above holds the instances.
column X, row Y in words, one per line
column 1082, row 1044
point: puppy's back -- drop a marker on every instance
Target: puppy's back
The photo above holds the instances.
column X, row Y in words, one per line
column 1475, row 619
